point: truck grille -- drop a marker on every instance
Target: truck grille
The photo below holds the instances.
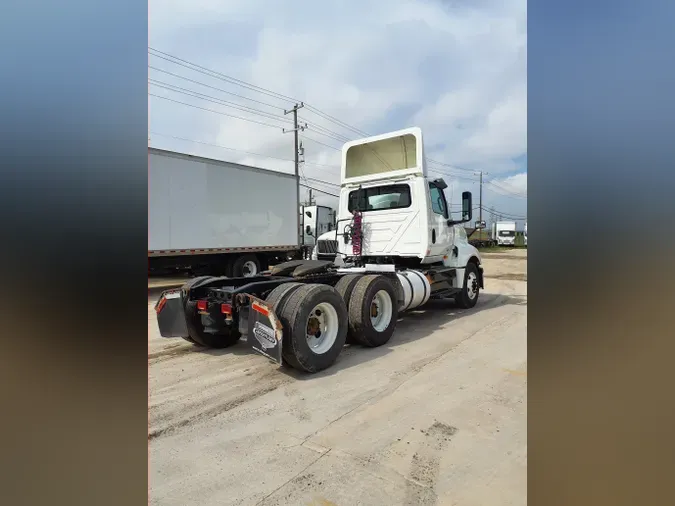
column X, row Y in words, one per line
column 330, row 247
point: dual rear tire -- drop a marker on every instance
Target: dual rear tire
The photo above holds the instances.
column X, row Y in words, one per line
column 314, row 319
column 373, row 310
column 318, row 319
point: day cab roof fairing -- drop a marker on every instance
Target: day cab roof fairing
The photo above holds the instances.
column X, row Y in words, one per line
column 392, row 155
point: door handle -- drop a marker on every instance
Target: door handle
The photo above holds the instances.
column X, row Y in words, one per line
column 433, row 236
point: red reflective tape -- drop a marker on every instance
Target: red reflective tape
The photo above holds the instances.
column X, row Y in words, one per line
column 160, row 305
column 260, row 309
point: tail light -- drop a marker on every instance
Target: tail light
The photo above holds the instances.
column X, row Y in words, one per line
column 226, row 309
column 202, row 305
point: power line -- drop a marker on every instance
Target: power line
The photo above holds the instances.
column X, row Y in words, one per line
column 216, row 100
column 502, row 187
column 497, row 212
column 454, row 176
column 232, row 80
column 216, row 112
column 214, row 87
column 505, row 193
column 319, row 129
column 319, row 142
column 325, row 131
column 222, row 76
column 455, row 167
column 332, row 119
column 320, row 191
column 324, row 182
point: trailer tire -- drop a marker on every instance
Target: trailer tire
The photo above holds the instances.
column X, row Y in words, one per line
column 373, row 293
column 278, row 298
column 467, row 298
column 345, row 287
column 246, row 266
column 322, row 308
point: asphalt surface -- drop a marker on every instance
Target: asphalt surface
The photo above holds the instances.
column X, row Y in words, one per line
column 437, row 416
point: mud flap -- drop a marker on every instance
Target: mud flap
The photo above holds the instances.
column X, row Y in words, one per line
column 265, row 331
column 171, row 314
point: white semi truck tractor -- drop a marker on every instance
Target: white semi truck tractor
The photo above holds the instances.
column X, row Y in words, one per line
column 396, row 246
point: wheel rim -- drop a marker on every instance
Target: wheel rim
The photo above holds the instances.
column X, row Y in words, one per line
column 381, row 309
column 322, row 328
column 472, row 285
column 249, row 269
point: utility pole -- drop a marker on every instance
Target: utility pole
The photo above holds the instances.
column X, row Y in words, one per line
column 296, row 129
column 480, row 205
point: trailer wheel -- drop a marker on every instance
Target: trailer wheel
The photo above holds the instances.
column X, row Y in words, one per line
column 278, row 298
column 246, row 266
column 345, row 287
column 373, row 310
column 467, row 298
column 315, row 317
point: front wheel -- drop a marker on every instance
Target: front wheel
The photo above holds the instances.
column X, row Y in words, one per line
column 468, row 297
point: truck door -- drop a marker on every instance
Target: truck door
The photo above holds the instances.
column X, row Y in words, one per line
column 440, row 234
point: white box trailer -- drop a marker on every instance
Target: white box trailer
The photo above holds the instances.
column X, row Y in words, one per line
column 214, row 217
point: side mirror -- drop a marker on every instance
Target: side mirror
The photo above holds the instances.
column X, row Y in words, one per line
column 466, row 206
column 466, row 210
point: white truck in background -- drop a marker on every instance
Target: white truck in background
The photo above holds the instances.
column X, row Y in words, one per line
column 316, row 220
column 326, row 247
column 504, row 232
column 211, row 217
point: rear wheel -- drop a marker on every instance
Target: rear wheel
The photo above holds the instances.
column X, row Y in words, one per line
column 373, row 310
column 345, row 287
column 467, row 298
column 315, row 319
column 277, row 299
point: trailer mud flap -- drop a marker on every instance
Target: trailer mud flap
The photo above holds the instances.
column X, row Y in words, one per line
column 171, row 314
column 265, row 331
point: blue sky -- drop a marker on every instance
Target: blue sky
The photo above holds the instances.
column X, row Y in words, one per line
column 458, row 70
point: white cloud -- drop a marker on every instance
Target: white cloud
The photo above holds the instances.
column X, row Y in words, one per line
column 458, row 70
column 514, row 184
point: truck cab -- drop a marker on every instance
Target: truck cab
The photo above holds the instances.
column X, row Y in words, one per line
column 404, row 216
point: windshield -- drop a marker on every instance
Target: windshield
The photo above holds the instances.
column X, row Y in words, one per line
column 507, row 233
